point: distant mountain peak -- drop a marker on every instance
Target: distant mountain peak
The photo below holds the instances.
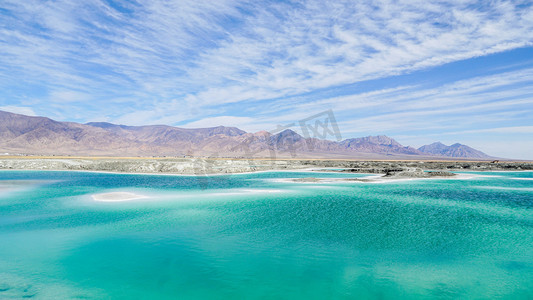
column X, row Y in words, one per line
column 455, row 150
column 287, row 134
column 438, row 144
column 378, row 144
column 40, row 135
column 375, row 139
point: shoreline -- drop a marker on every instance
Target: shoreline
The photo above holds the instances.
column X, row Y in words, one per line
column 375, row 179
column 169, row 174
column 221, row 167
column 178, row 158
column 244, row 173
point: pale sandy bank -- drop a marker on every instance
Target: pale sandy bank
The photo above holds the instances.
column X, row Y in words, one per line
column 117, row 197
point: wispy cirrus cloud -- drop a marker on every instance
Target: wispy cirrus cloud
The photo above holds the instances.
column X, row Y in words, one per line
column 18, row 110
column 245, row 50
column 324, row 44
column 180, row 62
column 477, row 102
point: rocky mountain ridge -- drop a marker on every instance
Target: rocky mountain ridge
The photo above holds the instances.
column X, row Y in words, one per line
column 20, row 134
column 455, row 150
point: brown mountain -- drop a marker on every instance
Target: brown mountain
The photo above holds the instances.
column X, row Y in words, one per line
column 39, row 135
column 378, row 144
column 455, row 150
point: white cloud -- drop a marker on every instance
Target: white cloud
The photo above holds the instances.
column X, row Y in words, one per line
column 326, row 44
column 236, row 51
column 482, row 102
column 511, row 129
column 28, row 111
column 230, row 121
column 65, row 96
column 506, row 148
column 172, row 62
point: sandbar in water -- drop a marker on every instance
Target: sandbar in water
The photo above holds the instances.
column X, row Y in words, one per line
column 117, row 197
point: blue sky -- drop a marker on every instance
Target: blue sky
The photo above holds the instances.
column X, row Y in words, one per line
column 419, row 71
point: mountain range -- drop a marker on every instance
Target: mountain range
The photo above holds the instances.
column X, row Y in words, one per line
column 20, row 134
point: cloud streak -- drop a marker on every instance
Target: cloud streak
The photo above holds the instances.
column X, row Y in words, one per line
column 264, row 63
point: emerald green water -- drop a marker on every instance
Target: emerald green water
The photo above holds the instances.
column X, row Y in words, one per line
column 254, row 237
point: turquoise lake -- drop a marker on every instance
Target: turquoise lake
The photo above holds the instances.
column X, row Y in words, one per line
column 254, row 236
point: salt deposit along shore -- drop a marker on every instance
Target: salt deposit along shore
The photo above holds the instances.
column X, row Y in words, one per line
column 405, row 176
column 204, row 166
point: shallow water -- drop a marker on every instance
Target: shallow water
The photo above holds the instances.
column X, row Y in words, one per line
column 254, row 236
